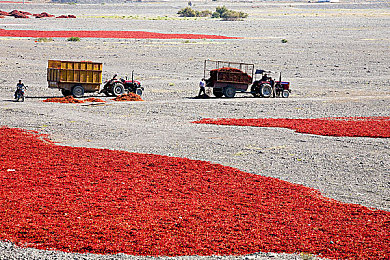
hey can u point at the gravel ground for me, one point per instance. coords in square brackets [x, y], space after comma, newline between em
[336, 58]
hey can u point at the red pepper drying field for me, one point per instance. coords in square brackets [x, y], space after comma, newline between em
[107, 34]
[378, 127]
[106, 201]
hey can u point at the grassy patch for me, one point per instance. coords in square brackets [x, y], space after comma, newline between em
[73, 39]
[44, 39]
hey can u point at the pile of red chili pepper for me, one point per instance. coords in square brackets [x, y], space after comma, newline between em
[66, 16]
[17, 14]
[128, 97]
[378, 127]
[23, 14]
[104, 201]
[229, 74]
[67, 99]
[71, 99]
[92, 99]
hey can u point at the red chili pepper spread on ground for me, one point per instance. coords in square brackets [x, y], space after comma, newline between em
[337, 126]
[107, 34]
[106, 202]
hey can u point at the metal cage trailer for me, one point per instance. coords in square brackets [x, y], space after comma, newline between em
[227, 78]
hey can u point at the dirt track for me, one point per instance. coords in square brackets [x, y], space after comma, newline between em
[336, 58]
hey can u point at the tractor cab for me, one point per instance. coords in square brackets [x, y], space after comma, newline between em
[263, 75]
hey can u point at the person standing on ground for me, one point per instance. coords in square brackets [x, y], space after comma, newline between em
[202, 88]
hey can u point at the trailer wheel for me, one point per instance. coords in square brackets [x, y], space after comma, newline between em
[66, 92]
[229, 92]
[285, 93]
[266, 90]
[218, 92]
[118, 89]
[78, 91]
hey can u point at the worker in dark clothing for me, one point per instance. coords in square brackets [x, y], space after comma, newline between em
[202, 88]
[19, 87]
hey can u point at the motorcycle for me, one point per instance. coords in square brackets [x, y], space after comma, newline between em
[19, 94]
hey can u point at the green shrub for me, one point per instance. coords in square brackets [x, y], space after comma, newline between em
[228, 15]
[284, 41]
[221, 10]
[188, 12]
[243, 15]
[216, 15]
[73, 39]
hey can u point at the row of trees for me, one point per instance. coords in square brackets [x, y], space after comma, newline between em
[220, 12]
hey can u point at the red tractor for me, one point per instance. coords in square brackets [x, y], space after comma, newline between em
[117, 87]
[228, 78]
[266, 86]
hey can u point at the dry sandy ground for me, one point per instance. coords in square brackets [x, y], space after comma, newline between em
[336, 58]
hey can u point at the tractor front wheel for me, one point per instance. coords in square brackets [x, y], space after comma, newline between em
[118, 89]
[285, 93]
[138, 91]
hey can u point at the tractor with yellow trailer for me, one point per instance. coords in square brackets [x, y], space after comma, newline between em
[79, 77]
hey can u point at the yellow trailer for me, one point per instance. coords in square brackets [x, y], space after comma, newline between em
[74, 77]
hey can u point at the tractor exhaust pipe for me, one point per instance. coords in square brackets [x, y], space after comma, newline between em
[132, 76]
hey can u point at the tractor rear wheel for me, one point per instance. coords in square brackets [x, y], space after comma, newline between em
[118, 89]
[285, 93]
[229, 92]
[266, 90]
[78, 91]
[218, 92]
